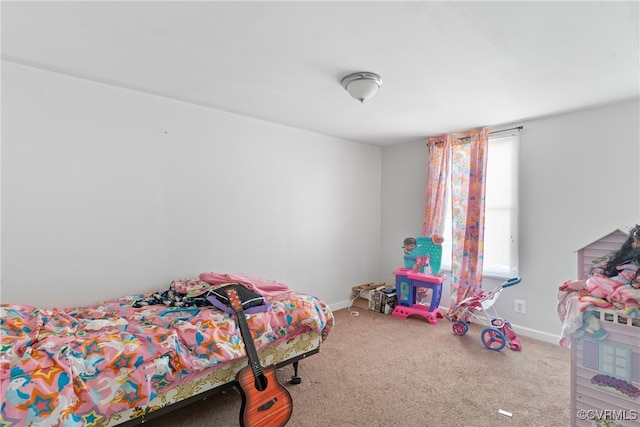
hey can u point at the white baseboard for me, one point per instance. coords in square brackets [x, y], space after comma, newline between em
[340, 305]
[520, 330]
[525, 331]
[536, 334]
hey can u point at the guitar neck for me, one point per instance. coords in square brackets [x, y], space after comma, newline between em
[249, 346]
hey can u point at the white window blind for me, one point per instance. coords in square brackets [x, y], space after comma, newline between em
[501, 209]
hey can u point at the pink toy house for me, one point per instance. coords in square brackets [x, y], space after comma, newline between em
[605, 374]
[601, 247]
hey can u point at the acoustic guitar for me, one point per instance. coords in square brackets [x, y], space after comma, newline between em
[265, 402]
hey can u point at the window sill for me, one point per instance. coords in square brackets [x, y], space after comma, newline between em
[499, 275]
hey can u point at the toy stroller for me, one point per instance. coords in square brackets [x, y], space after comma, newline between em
[498, 332]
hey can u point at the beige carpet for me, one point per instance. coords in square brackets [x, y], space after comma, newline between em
[379, 370]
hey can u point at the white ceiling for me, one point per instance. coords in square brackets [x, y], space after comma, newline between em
[447, 66]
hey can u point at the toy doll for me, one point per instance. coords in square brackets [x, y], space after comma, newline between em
[621, 268]
[418, 263]
[409, 245]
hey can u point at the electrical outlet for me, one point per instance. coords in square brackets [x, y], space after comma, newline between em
[519, 306]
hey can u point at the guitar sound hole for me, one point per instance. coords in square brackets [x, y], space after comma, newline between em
[261, 382]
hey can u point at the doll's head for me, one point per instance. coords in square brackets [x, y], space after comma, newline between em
[632, 244]
[628, 253]
[409, 245]
[634, 236]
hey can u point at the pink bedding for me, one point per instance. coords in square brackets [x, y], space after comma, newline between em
[575, 298]
[75, 366]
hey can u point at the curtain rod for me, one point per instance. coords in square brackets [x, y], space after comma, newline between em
[495, 131]
[506, 130]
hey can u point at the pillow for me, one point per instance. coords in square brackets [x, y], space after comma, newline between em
[252, 302]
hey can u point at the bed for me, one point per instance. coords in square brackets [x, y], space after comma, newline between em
[130, 359]
[603, 331]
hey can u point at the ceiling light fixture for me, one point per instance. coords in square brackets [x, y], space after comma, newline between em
[362, 85]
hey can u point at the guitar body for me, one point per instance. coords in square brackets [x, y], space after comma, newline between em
[270, 407]
[265, 402]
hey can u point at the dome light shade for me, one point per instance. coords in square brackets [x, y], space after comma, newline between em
[362, 85]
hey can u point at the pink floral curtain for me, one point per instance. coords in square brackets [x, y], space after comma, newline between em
[468, 179]
[437, 170]
[466, 155]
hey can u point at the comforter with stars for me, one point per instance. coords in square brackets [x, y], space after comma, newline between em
[77, 366]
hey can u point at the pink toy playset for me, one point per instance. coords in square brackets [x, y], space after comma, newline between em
[419, 283]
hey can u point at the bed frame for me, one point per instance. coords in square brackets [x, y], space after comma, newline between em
[217, 381]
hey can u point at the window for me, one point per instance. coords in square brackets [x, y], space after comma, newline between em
[501, 209]
[615, 360]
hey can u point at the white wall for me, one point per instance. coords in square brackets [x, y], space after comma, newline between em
[579, 178]
[108, 192]
[404, 186]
